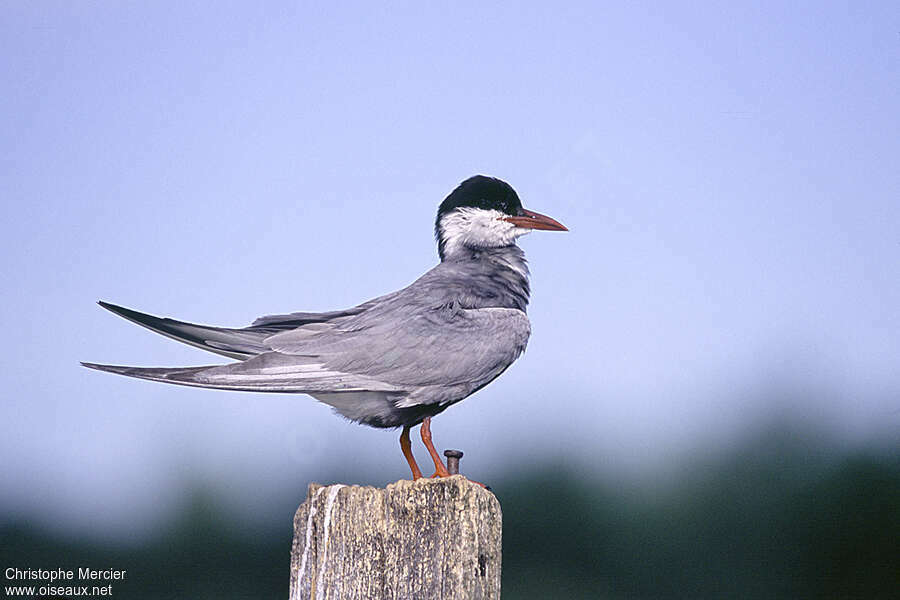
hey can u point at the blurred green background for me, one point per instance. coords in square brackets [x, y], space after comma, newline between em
[784, 514]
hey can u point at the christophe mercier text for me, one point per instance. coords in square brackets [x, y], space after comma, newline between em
[51, 575]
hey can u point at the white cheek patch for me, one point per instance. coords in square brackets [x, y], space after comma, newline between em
[477, 228]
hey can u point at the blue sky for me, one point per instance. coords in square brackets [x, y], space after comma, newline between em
[729, 173]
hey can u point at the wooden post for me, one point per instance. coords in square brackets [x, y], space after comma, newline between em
[428, 539]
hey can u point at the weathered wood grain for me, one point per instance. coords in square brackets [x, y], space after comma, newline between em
[428, 539]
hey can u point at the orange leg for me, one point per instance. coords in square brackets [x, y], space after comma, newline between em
[439, 469]
[406, 448]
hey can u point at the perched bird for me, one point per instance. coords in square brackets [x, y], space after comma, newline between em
[396, 360]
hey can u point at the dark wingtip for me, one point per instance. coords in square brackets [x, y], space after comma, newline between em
[111, 307]
[105, 368]
[131, 315]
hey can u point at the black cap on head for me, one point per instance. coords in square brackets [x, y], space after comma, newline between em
[480, 191]
[484, 192]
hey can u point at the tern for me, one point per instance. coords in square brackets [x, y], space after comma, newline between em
[399, 359]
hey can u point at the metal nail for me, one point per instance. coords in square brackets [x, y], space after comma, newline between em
[453, 457]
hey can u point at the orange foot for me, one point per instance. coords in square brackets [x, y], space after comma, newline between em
[406, 448]
[439, 469]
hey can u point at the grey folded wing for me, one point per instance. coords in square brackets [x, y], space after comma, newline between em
[434, 354]
[406, 353]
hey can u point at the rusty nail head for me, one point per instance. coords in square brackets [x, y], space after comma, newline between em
[453, 457]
